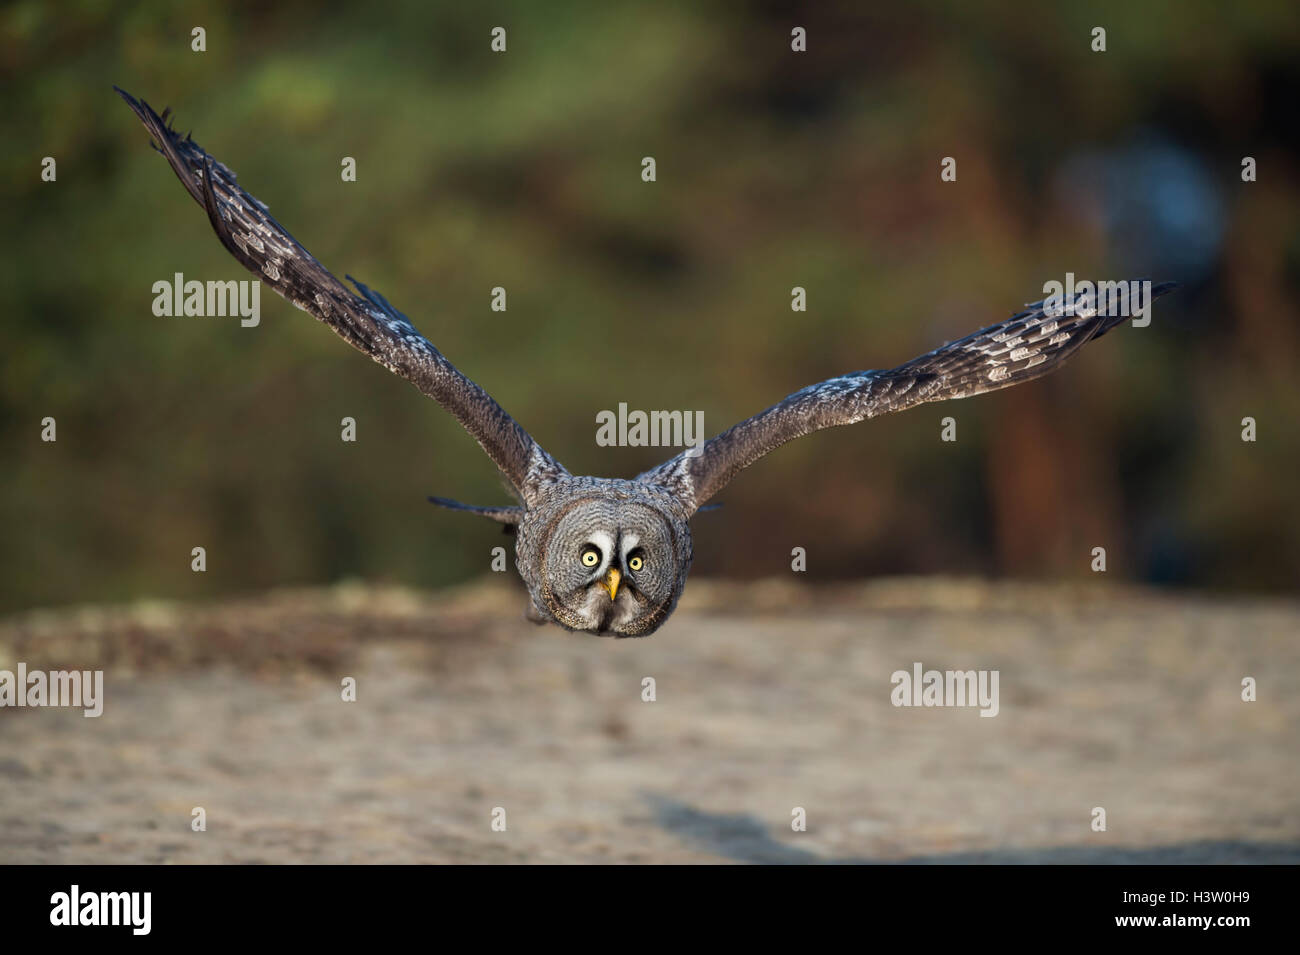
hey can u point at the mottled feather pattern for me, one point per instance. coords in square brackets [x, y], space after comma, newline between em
[604, 555]
[366, 321]
[1019, 349]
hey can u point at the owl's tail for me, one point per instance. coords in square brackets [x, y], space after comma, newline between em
[502, 515]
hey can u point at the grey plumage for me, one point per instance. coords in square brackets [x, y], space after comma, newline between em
[502, 515]
[599, 554]
[366, 321]
[1026, 346]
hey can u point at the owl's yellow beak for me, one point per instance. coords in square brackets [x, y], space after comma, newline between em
[611, 581]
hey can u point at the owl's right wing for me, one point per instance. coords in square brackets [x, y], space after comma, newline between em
[366, 321]
[1025, 346]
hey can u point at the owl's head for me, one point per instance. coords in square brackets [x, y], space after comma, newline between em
[607, 557]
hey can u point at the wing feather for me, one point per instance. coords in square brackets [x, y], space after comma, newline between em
[1024, 347]
[365, 321]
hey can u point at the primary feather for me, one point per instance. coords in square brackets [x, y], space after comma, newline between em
[366, 320]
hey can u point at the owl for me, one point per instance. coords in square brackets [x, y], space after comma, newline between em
[604, 555]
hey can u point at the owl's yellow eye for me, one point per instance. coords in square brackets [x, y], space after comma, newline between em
[590, 557]
[635, 563]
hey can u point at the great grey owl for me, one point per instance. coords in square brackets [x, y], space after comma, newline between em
[605, 555]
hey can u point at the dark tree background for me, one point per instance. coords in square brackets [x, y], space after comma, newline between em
[775, 169]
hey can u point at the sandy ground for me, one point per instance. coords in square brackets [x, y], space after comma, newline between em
[1127, 700]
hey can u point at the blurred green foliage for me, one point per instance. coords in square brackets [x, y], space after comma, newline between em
[522, 170]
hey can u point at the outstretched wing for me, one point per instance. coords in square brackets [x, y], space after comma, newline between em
[1022, 348]
[365, 321]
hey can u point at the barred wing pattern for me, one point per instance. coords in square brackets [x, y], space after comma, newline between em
[366, 321]
[1025, 346]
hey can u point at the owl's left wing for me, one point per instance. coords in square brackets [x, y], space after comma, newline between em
[365, 321]
[1025, 346]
